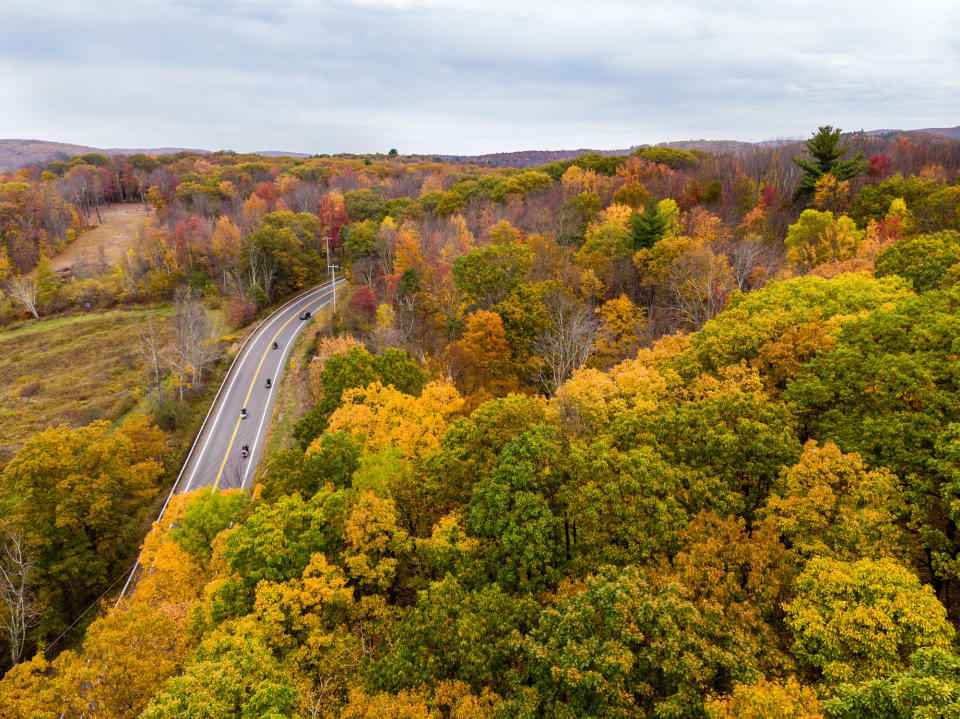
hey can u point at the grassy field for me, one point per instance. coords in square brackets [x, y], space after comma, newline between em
[69, 370]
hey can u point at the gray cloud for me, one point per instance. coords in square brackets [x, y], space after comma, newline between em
[440, 76]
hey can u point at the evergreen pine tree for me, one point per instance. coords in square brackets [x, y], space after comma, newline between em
[649, 226]
[826, 160]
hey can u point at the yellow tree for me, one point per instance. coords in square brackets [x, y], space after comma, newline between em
[327, 347]
[622, 329]
[831, 194]
[383, 417]
[818, 238]
[831, 504]
[486, 354]
[767, 700]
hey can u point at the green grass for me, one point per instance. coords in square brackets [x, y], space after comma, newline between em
[46, 325]
[69, 370]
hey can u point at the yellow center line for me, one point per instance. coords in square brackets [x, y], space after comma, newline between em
[253, 382]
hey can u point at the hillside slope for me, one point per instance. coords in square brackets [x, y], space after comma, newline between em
[16, 153]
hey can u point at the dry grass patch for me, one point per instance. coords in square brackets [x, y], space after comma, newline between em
[103, 246]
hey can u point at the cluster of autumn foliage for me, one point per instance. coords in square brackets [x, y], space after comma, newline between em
[599, 439]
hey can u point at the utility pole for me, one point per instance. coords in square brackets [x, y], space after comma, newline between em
[333, 271]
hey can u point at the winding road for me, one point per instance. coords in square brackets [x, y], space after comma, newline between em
[215, 459]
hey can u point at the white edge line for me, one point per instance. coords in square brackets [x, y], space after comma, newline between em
[203, 425]
[232, 376]
[256, 437]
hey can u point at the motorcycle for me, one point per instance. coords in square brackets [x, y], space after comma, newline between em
[244, 451]
[243, 413]
[275, 345]
[269, 383]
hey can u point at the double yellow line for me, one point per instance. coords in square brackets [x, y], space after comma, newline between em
[253, 382]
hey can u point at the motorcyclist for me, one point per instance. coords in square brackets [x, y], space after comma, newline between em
[244, 450]
[275, 345]
[243, 413]
[269, 383]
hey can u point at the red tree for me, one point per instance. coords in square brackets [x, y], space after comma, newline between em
[364, 303]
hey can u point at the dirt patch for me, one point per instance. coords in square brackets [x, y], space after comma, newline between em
[103, 246]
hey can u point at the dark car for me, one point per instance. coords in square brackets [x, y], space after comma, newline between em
[305, 315]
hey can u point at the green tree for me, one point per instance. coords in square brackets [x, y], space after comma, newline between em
[929, 689]
[621, 647]
[674, 157]
[75, 495]
[826, 152]
[648, 227]
[230, 677]
[486, 275]
[453, 633]
[516, 511]
[854, 621]
[310, 426]
[524, 318]
[926, 260]
[364, 204]
[872, 202]
[472, 444]
[779, 328]
[291, 471]
[207, 514]
[48, 287]
[358, 368]
[889, 390]
[576, 215]
[361, 238]
[281, 254]
[743, 439]
[275, 543]
[625, 506]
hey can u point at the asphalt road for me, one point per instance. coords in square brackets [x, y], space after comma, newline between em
[215, 460]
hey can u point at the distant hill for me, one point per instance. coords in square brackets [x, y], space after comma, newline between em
[528, 158]
[533, 158]
[280, 153]
[717, 147]
[17, 153]
[951, 132]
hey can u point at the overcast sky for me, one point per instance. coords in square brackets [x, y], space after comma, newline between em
[438, 76]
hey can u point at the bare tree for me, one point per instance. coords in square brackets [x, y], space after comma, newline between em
[150, 349]
[698, 284]
[753, 262]
[24, 290]
[262, 267]
[567, 342]
[192, 351]
[22, 608]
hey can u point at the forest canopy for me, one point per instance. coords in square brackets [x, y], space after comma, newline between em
[666, 434]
